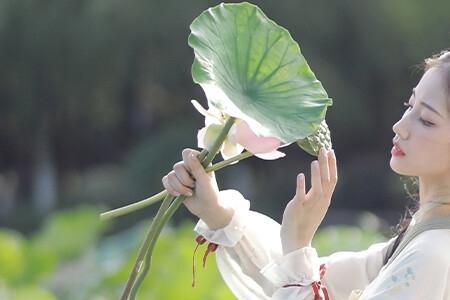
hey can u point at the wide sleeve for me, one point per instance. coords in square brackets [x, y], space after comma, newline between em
[420, 271]
[251, 262]
[248, 243]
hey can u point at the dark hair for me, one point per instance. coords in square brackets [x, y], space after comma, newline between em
[411, 186]
[411, 183]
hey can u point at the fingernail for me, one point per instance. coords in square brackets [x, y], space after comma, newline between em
[176, 194]
[189, 194]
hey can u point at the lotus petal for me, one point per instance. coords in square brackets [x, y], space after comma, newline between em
[271, 155]
[253, 143]
[207, 135]
[230, 149]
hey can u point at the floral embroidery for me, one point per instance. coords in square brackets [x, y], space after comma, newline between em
[400, 281]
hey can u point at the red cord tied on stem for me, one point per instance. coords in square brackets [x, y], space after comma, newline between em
[320, 291]
[212, 247]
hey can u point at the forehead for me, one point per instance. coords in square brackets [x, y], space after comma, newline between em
[432, 89]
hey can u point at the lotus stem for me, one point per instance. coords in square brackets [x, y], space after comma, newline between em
[160, 196]
[167, 209]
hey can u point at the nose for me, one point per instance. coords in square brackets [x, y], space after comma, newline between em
[401, 128]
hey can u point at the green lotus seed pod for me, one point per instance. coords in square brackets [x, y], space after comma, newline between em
[320, 138]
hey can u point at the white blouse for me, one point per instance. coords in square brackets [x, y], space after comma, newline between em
[250, 260]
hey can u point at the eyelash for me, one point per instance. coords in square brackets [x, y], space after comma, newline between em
[424, 122]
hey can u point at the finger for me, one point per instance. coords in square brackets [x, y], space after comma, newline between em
[177, 186]
[300, 192]
[186, 153]
[332, 166]
[323, 162]
[316, 185]
[183, 175]
[167, 186]
[196, 167]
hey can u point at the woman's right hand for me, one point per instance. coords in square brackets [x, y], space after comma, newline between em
[189, 178]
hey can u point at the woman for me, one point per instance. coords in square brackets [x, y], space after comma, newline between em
[259, 259]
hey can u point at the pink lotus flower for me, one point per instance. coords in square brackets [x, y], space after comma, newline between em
[239, 137]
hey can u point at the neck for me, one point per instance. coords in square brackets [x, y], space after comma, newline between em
[434, 189]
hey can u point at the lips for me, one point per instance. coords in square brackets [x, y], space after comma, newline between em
[397, 151]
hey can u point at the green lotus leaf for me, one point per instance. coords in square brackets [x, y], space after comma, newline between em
[251, 68]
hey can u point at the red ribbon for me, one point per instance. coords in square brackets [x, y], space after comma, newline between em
[320, 291]
[212, 247]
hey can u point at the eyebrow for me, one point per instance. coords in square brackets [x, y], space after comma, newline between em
[425, 104]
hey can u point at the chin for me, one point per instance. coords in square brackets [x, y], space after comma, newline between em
[399, 169]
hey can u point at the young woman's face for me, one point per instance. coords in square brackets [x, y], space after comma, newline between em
[423, 132]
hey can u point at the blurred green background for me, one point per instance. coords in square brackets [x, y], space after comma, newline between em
[95, 109]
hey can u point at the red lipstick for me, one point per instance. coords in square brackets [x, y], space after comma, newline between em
[397, 151]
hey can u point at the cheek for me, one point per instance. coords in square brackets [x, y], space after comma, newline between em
[427, 154]
[432, 154]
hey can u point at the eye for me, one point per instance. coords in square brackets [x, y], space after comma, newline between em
[423, 121]
[426, 123]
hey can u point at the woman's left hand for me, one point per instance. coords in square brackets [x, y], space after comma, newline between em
[305, 212]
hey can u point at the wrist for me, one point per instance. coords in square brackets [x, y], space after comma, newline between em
[291, 248]
[292, 244]
[217, 217]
